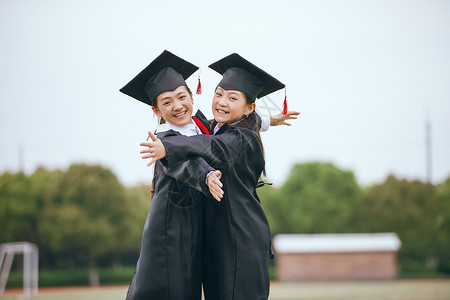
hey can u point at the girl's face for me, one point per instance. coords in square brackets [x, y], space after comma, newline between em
[229, 106]
[175, 106]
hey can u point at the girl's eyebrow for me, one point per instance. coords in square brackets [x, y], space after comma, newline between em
[165, 98]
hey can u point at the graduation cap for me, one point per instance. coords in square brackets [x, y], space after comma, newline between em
[165, 73]
[241, 75]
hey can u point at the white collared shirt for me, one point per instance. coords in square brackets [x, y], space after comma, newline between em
[187, 130]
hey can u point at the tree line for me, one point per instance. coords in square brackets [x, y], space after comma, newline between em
[321, 198]
[81, 217]
[84, 217]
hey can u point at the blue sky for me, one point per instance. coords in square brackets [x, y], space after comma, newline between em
[364, 74]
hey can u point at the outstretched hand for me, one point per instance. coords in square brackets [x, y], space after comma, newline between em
[281, 119]
[155, 149]
[214, 184]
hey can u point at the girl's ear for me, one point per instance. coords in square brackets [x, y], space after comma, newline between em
[250, 108]
[157, 112]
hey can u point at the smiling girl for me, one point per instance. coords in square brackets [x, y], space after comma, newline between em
[170, 261]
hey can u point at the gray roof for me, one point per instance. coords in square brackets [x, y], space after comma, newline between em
[314, 243]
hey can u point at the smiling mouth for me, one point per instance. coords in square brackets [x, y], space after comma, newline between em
[180, 114]
[221, 111]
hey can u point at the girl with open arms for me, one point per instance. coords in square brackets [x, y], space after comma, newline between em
[236, 236]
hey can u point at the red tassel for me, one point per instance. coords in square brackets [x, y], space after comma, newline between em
[285, 102]
[199, 86]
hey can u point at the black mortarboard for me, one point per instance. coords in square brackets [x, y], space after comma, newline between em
[241, 75]
[165, 73]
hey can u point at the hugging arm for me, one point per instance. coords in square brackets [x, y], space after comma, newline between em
[194, 172]
[219, 151]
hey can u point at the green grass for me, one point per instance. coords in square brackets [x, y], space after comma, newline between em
[123, 275]
[419, 270]
[428, 289]
[75, 277]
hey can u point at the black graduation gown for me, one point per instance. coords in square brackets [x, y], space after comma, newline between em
[170, 261]
[236, 235]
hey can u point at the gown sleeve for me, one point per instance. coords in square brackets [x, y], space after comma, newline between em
[220, 151]
[192, 172]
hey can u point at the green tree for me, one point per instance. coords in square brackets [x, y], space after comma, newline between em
[21, 203]
[18, 208]
[137, 203]
[83, 214]
[316, 198]
[408, 208]
[443, 226]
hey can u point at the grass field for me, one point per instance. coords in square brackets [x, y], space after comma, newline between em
[433, 289]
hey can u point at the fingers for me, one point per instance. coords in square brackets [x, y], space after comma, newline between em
[292, 112]
[290, 115]
[150, 147]
[216, 192]
[148, 150]
[146, 144]
[153, 157]
[150, 134]
[218, 175]
[151, 151]
[217, 195]
[214, 184]
[216, 181]
[151, 162]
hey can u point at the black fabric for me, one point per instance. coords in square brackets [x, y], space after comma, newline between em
[170, 261]
[241, 80]
[165, 73]
[168, 79]
[236, 239]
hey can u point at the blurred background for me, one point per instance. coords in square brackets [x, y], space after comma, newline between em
[369, 152]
